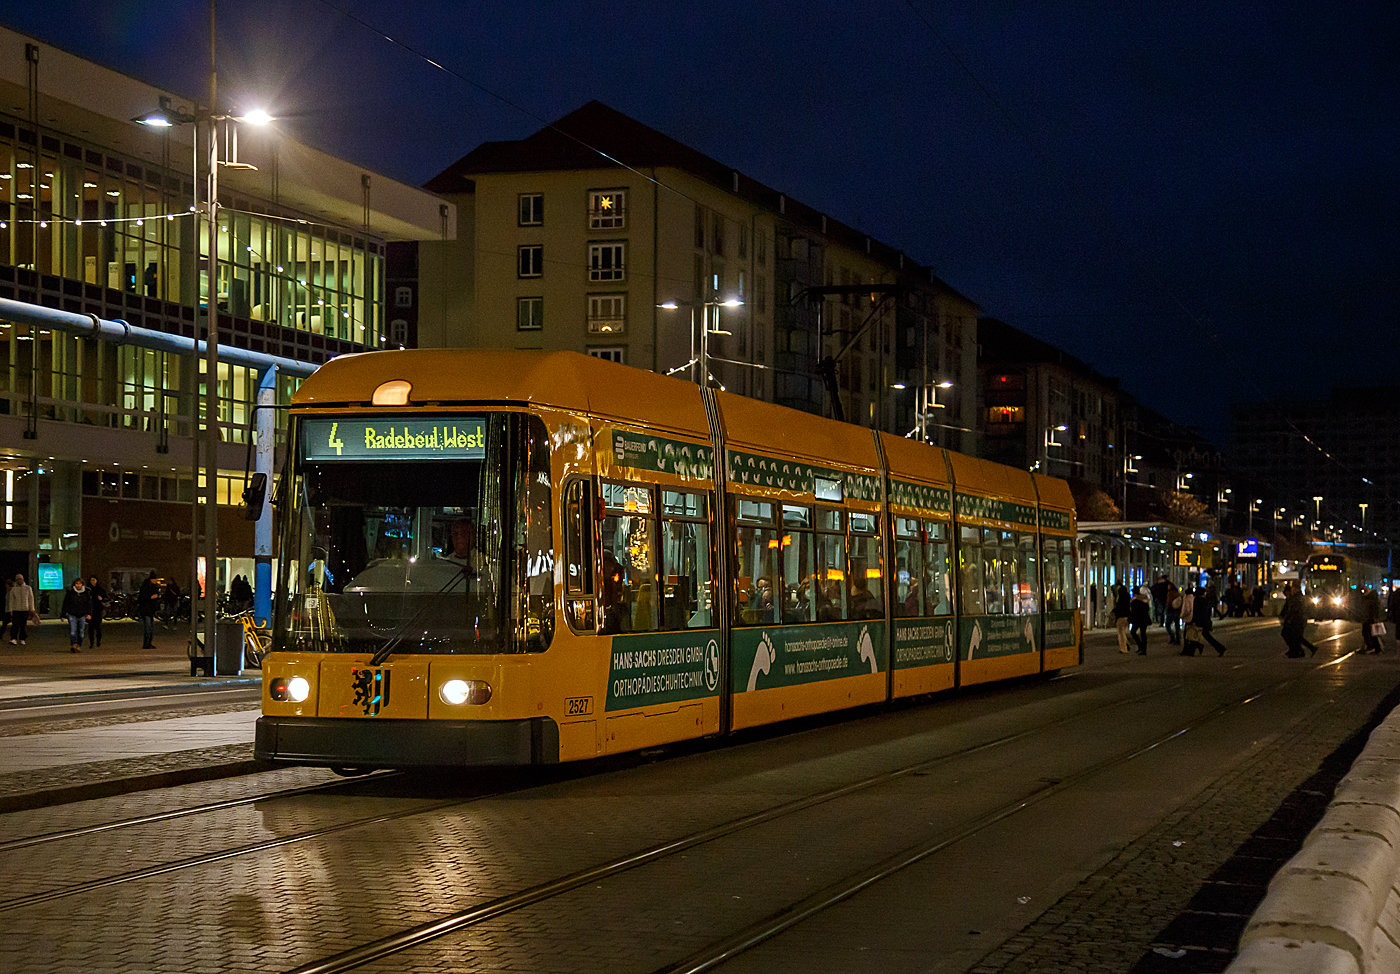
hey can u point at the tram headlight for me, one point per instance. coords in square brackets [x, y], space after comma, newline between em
[1336, 600]
[458, 692]
[293, 688]
[1317, 600]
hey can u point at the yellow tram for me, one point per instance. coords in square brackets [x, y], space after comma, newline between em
[497, 557]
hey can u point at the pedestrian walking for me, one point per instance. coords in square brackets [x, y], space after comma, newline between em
[1173, 623]
[1191, 635]
[99, 612]
[1293, 622]
[20, 604]
[1120, 616]
[1139, 618]
[1371, 620]
[1203, 615]
[77, 606]
[147, 605]
[1159, 599]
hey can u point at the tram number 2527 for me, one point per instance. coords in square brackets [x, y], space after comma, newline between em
[579, 706]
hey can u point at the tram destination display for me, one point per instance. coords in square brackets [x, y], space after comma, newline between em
[387, 438]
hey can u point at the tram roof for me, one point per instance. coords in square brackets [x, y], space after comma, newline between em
[562, 380]
[779, 430]
[994, 479]
[1053, 492]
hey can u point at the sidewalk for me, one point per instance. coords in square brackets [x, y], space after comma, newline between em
[46, 668]
[60, 743]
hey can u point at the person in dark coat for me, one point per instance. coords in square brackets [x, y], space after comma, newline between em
[147, 605]
[1203, 615]
[1159, 599]
[1370, 616]
[77, 606]
[99, 610]
[1139, 618]
[1293, 619]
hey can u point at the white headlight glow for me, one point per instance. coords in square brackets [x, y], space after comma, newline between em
[457, 692]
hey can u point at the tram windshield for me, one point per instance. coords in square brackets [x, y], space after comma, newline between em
[426, 535]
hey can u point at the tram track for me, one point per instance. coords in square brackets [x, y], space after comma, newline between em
[178, 813]
[517, 900]
[776, 922]
[410, 937]
[790, 914]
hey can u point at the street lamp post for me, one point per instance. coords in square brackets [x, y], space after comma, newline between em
[1363, 507]
[165, 118]
[1317, 510]
[703, 357]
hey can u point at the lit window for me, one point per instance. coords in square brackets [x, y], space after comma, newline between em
[606, 313]
[607, 209]
[611, 354]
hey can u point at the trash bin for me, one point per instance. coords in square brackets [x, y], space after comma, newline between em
[227, 658]
[228, 648]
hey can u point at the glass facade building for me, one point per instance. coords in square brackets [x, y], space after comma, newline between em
[98, 217]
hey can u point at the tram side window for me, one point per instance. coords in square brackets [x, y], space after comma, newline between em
[993, 602]
[534, 528]
[1067, 572]
[578, 554]
[866, 571]
[970, 571]
[1008, 573]
[578, 538]
[831, 565]
[798, 565]
[911, 578]
[685, 558]
[1050, 563]
[938, 566]
[756, 563]
[630, 602]
[1027, 576]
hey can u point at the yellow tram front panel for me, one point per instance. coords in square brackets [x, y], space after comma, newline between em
[921, 505]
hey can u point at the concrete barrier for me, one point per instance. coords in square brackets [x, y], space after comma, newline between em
[1334, 908]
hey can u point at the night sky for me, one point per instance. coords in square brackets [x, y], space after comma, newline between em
[1200, 199]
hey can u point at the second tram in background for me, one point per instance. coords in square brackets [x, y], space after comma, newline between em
[1331, 584]
[521, 557]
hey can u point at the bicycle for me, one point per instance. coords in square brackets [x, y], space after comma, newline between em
[257, 640]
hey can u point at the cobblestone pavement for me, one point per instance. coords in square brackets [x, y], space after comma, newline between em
[1115, 920]
[73, 782]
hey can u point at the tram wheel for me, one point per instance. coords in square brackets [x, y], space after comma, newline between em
[351, 772]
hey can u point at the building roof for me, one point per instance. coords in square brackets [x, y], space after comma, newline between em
[597, 136]
[1002, 344]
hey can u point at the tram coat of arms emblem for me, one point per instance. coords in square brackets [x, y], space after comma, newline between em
[371, 690]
